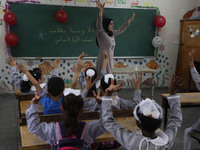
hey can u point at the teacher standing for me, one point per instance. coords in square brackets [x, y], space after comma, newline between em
[106, 38]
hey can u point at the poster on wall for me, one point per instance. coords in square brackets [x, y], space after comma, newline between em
[92, 3]
[110, 3]
[81, 3]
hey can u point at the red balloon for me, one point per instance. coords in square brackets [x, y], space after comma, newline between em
[159, 21]
[10, 18]
[11, 39]
[61, 16]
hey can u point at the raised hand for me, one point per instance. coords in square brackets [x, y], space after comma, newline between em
[56, 63]
[113, 88]
[80, 64]
[190, 58]
[37, 98]
[99, 5]
[89, 83]
[131, 19]
[11, 61]
[175, 83]
[137, 82]
[22, 68]
[97, 97]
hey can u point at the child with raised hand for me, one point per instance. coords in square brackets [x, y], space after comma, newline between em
[24, 85]
[72, 107]
[148, 115]
[55, 86]
[195, 126]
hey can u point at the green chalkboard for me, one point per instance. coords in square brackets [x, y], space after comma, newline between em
[40, 35]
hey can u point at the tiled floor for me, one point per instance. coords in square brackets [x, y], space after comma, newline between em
[9, 129]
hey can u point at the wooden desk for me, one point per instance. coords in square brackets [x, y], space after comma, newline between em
[137, 70]
[186, 100]
[29, 141]
[24, 105]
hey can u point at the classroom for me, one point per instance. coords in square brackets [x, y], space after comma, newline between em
[42, 37]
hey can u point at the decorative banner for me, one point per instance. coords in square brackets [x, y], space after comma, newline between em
[93, 3]
[81, 3]
[69, 2]
[109, 3]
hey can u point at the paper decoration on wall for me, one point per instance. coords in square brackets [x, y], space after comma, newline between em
[46, 67]
[61, 16]
[196, 14]
[67, 1]
[162, 48]
[121, 1]
[109, 3]
[73, 69]
[148, 4]
[134, 2]
[120, 65]
[81, 2]
[152, 65]
[157, 41]
[88, 64]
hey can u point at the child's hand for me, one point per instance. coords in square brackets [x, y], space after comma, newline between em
[89, 83]
[105, 55]
[175, 83]
[82, 56]
[137, 81]
[22, 68]
[11, 61]
[97, 97]
[99, 5]
[131, 19]
[37, 98]
[56, 63]
[113, 88]
[191, 54]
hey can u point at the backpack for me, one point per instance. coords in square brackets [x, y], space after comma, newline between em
[70, 143]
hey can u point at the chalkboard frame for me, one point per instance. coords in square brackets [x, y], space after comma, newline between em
[43, 57]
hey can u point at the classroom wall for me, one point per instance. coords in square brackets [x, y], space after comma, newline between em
[164, 63]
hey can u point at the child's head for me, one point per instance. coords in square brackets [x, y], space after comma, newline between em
[56, 86]
[91, 72]
[72, 106]
[148, 115]
[25, 85]
[106, 81]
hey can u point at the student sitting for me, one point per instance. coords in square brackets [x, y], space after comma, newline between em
[24, 85]
[72, 107]
[148, 115]
[195, 126]
[55, 86]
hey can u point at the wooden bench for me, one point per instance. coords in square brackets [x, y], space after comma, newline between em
[24, 105]
[186, 100]
[195, 135]
[29, 141]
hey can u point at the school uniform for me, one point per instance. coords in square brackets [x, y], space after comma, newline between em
[195, 126]
[106, 43]
[90, 104]
[17, 82]
[135, 140]
[49, 131]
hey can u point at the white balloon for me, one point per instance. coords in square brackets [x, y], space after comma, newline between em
[157, 41]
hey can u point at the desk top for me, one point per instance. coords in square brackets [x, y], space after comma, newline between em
[128, 70]
[31, 141]
[186, 99]
[24, 105]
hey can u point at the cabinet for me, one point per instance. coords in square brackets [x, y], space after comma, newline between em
[189, 39]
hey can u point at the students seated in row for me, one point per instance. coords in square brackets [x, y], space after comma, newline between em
[195, 126]
[90, 103]
[148, 115]
[24, 85]
[71, 127]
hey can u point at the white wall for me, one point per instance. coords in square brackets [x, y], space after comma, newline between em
[172, 10]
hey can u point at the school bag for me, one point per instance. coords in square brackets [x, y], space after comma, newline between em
[71, 143]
